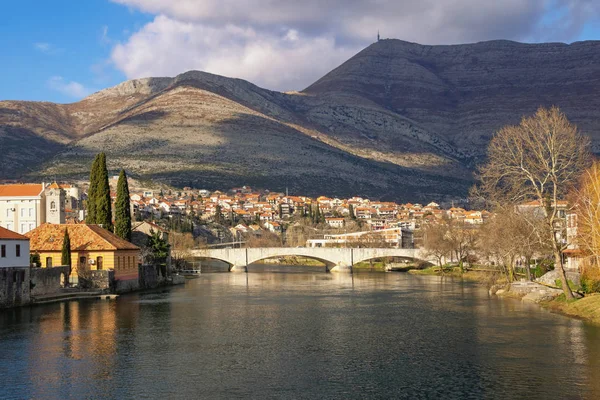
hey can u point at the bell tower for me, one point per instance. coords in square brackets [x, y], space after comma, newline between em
[55, 204]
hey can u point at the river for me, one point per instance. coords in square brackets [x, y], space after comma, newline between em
[296, 332]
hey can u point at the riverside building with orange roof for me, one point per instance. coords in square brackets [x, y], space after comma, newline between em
[92, 248]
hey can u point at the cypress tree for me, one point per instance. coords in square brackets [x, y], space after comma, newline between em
[91, 199]
[66, 252]
[103, 203]
[123, 208]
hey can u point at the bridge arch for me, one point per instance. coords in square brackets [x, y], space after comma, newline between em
[328, 264]
[333, 258]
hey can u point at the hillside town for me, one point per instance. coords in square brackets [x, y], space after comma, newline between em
[243, 211]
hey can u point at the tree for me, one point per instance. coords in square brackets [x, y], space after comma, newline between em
[351, 211]
[510, 236]
[123, 209]
[181, 244]
[588, 213]
[65, 258]
[34, 260]
[103, 202]
[93, 189]
[159, 247]
[540, 159]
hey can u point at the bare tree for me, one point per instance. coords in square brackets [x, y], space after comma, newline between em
[181, 246]
[587, 205]
[435, 241]
[510, 236]
[540, 159]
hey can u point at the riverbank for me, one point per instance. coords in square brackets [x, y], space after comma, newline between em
[586, 308]
[484, 277]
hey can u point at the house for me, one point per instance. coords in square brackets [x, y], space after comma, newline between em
[92, 248]
[141, 231]
[15, 283]
[14, 249]
[335, 222]
[24, 207]
[273, 226]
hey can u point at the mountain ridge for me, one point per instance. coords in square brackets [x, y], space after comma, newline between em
[399, 120]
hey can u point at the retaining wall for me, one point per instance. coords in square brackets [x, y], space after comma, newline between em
[14, 286]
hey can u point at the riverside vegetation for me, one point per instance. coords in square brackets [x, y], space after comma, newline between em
[544, 189]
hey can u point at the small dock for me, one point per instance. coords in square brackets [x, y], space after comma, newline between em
[69, 296]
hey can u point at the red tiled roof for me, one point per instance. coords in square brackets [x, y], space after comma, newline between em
[21, 190]
[6, 234]
[49, 237]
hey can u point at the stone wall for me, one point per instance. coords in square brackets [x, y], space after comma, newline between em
[14, 286]
[126, 285]
[152, 276]
[96, 279]
[45, 281]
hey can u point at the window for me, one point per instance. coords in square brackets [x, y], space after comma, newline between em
[22, 212]
[9, 226]
[23, 228]
[3, 251]
[31, 226]
[99, 262]
[18, 250]
[8, 212]
[31, 212]
[48, 262]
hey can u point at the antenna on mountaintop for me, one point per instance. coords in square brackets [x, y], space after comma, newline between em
[378, 35]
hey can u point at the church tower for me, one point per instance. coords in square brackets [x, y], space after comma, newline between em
[55, 204]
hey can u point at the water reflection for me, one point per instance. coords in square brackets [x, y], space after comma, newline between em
[299, 333]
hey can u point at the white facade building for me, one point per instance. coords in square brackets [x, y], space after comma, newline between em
[14, 249]
[24, 207]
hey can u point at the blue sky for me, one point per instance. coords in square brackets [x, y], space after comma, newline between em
[62, 50]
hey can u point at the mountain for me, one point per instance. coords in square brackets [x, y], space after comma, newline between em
[397, 121]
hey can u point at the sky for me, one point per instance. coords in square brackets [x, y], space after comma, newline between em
[64, 50]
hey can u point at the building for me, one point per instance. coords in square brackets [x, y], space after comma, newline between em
[92, 248]
[391, 237]
[14, 249]
[24, 207]
[335, 222]
[142, 230]
[15, 286]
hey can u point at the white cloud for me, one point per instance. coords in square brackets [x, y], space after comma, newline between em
[68, 88]
[284, 61]
[286, 44]
[104, 38]
[47, 48]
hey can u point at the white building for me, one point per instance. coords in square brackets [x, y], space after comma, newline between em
[24, 207]
[14, 249]
[391, 236]
[335, 222]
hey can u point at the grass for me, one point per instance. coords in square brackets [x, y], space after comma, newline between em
[587, 308]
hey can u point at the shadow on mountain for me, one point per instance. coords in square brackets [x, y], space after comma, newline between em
[267, 154]
[23, 151]
[144, 118]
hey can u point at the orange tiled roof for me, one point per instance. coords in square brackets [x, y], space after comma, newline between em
[21, 190]
[49, 237]
[6, 234]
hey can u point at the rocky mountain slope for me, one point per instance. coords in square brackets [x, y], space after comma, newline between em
[398, 121]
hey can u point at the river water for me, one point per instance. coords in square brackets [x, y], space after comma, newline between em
[297, 332]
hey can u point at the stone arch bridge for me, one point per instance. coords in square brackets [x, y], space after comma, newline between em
[335, 259]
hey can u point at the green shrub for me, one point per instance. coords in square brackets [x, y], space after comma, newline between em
[590, 281]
